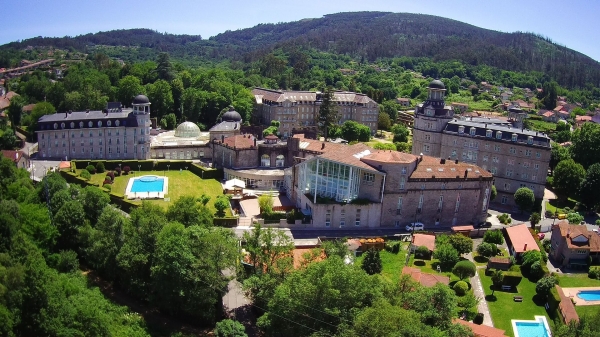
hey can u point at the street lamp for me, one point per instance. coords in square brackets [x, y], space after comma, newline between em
[140, 169]
[168, 165]
[32, 171]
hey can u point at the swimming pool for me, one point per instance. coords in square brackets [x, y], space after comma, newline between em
[589, 295]
[147, 184]
[536, 328]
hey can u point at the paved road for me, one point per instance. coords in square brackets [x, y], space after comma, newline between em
[39, 168]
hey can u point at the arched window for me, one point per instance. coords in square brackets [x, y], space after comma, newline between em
[265, 160]
[280, 161]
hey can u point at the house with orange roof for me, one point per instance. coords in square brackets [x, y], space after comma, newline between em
[425, 279]
[18, 157]
[422, 239]
[573, 245]
[519, 240]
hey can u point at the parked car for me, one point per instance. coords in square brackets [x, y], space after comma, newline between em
[418, 226]
[486, 224]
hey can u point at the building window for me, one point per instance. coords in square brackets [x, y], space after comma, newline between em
[402, 182]
[509, 173]
[498, 134]
[427, 137]
[440, 203]
[538, 155]
[512, 150]
[457, 204]
[265, 160]
[488, 133]
[461, 129]
[495, 159]
[536, 166]
[399, 206]
[368, 177]
[504, 200]
[581, 251]
[514, 137]
[526, 164]
[99, 124]
[510, 162]
[485, 200]
[404, 170]
[357, 219]
[420, 207]
[425, 148]
[496, 148]
[506, 186]
[494, 170]
[530, 140]
[453, 154]
[328, 218]
[534, 177]
[528, 153]
[472, 131]
[279, 162]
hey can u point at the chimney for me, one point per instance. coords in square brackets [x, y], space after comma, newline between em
[323, 146]
[456, 161]
[66, 114]
[87, 111]
[254, 142]
[525, 248]
[222, 138]
[466, 172]
[442, 161]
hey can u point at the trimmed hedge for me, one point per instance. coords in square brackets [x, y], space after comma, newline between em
[206, 173]
[124, 204]
[553, 299]
[228, 222]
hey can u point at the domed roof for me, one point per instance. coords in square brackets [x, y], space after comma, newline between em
[187, 130]
[437, 84]
[141, 99]
[231, 116]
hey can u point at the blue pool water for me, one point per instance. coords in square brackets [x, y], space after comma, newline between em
[148, 184]
[589, 295]
[531, 329]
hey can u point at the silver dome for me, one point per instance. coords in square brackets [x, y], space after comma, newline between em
[187, 130]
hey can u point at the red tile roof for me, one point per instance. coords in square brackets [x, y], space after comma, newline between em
[481, 330]
[239, 142]
[548, 114]
[431, 167]
[389, 156]
[521, 238]
[13, 155]
[427, 280]
[566, 307]
[462, 228]
[427, 240]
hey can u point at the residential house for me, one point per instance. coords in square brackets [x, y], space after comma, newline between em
[579, 120]
[426, 280]
[405, 102]
[421, 239]
[20, 159]
[549, 116]
[573, 245]
[519, 240]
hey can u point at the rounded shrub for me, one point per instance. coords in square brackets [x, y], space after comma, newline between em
[91, 169]
[460, 288]
[100, 167]
[108, 187]
[478, 318]
[85, 174]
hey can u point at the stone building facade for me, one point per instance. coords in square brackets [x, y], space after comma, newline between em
[113, 133]
[517, 157]
[296, 109]
[339, 185]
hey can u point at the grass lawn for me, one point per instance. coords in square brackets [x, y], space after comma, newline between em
[97, 178]
[503, 308]
[183, 183]
[587, 310]
[577, 280]
[542, 126]
[392, 263]
[556, 204]
[482, 260]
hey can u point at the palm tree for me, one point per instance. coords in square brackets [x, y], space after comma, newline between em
[497, 279]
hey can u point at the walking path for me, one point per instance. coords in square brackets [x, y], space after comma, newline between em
[480, 294]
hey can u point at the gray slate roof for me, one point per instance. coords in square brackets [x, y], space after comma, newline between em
[82, 115]
[226, 126]
[539, 139]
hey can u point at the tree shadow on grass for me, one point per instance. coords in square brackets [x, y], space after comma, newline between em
[419, 263]
[491, 298]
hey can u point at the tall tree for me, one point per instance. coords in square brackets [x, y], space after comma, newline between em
[129, 87]
[161, 96]
[588, 191]
[39, 110]
[164, 69]
[557, 154]
[586, 144]
[568, 176]
[15, 110]
[328, 112]
[524, 198]
[371, 264]
[188, 211]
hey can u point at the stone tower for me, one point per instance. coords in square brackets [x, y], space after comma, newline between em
[431, 118]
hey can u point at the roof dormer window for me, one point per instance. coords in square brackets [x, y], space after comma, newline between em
[530, 140]
[488, 133]
[472, 131]
[514, 137]
[461, 129]
[498, 134]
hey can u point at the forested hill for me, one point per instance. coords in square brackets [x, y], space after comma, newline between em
[145, 38]
[372, 35]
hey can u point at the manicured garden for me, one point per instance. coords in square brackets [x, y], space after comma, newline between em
[577, 280]
[503, 307]
[392, 263]
[554, 205]
[181, 183]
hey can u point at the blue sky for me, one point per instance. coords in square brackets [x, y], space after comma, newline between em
[571, 23]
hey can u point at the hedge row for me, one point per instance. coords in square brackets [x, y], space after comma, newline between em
[228, 222]
[553, 299]
[206, 173]
[123, 203]
[149, 165]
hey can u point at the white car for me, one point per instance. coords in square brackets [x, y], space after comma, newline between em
[418, 226]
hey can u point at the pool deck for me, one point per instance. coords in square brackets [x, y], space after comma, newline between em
[572, 294]
[146, 195]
